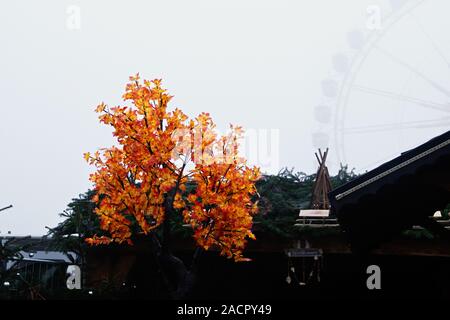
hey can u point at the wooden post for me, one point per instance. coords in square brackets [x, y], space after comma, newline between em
[322, 185]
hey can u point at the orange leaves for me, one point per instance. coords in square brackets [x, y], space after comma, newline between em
[192, 198]
[225, 191]
[149, 172]
[136, 77]
[100, 108]
[98, 240]
[179, 203]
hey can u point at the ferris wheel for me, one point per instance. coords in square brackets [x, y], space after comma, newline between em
[389, 89]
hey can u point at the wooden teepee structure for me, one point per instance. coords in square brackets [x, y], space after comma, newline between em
[322, 185]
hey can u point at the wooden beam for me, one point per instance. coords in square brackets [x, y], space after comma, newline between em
[5, 208]
[318, 160]
[321, 155]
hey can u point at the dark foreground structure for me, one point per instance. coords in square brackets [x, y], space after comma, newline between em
[385, 218]
[396, 196]
[343, 275]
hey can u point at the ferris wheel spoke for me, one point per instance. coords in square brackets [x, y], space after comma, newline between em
[421, 75]
[445, 122]
[397, 96]
[436, 48]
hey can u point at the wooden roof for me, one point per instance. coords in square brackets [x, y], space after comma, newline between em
[397, 195]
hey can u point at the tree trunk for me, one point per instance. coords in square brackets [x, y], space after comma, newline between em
[180, 279]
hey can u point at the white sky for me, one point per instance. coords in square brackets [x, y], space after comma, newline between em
[259, 64]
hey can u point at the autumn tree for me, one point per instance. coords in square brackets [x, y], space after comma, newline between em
[142, 183]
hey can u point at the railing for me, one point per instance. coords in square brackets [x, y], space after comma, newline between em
[317, 222]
